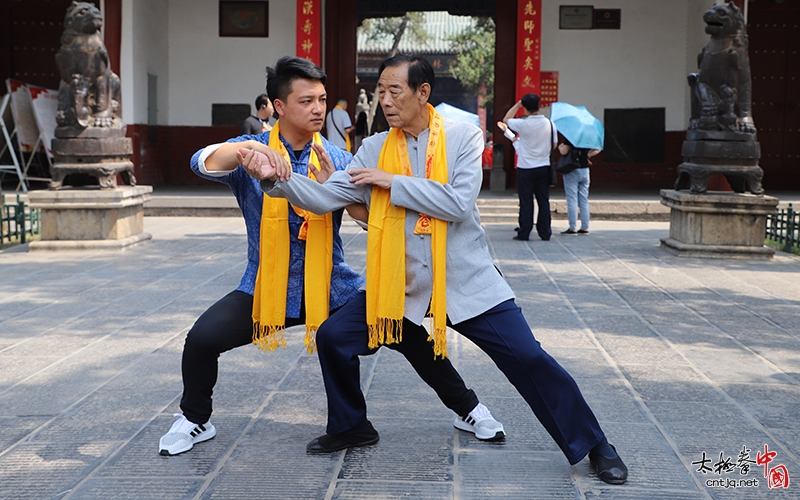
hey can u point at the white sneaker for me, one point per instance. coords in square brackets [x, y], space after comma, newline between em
[480, 422]
[183, 435]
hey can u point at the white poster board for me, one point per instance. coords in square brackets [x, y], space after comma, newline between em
[7, 128]
[44, 103]
[27, 130]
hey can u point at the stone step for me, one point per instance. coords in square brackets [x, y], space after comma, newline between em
[493, 208]
[503, 211]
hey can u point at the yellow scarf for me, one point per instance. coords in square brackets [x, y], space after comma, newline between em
[346, 135]
[386, 265]
[272, 279]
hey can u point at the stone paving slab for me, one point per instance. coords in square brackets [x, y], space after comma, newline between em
[679, 358]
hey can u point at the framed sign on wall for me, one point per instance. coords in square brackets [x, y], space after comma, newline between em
[243, 18]
[575, 17]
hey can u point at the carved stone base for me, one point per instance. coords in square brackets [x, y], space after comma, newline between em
[695, 176]
[736, 159]
[101, 153]
[717, 224]
[89, 217]
[105, 172]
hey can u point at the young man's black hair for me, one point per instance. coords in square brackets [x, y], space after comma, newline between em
[287, 70]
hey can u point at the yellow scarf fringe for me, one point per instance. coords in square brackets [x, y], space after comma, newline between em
[386, 279]
[272, 279]
[386, 331]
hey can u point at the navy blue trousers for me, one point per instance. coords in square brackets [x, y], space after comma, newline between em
[501, 332]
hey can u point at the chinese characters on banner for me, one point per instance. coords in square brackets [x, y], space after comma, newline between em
[548, 91]
[529, 35]
[309, 32]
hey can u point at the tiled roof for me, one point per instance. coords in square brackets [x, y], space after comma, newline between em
[439, 26]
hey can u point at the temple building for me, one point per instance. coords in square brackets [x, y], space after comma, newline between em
[189, 69]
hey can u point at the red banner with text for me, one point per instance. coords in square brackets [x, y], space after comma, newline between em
[548, 91]
[529, 36]
[309, 31]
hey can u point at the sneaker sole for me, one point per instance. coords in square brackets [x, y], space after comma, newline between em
[463, 426]
[204, 436]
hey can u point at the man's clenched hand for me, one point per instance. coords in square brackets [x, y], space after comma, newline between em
[264, 165]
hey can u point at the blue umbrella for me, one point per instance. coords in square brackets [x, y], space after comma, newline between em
[579, 126]
[457, 114]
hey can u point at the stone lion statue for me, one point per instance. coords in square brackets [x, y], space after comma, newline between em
[89, 92]
[721, 91]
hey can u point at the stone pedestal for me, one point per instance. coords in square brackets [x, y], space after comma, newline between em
[90, 217]
[717, 224]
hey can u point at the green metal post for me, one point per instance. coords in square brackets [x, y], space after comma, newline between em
[21, 219]
[2, 216]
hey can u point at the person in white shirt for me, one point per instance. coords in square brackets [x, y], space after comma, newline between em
[537, 138]
[339, 126]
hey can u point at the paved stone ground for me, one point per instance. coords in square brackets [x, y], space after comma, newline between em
[679, 358]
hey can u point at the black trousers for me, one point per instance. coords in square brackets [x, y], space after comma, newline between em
[534, 182]
[228, 324]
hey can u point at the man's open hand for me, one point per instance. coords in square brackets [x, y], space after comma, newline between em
[326, 167]
[372, 176]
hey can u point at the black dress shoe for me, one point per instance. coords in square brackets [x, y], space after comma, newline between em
[610, 470]
[519, 238]
[350, 439]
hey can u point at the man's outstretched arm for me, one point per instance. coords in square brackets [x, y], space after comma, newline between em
[224, 157]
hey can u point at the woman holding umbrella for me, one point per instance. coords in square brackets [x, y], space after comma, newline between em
[576, 187]
[583, 138]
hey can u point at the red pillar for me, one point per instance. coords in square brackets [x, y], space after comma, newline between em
[113, 31]
[341, 21]
[505, 79]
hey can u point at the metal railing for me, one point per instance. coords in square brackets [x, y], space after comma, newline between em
[783, 229]
[18, 221]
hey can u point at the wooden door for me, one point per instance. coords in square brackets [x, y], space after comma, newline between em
[33, 31]
[774, 33]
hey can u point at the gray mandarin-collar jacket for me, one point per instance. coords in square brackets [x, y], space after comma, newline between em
[473, 283]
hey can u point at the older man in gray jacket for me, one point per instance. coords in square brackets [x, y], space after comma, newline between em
[479, 303]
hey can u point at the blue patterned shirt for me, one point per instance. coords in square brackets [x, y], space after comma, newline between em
[345, 282]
